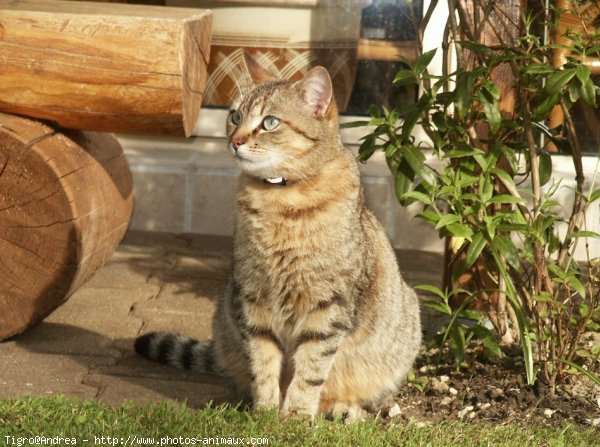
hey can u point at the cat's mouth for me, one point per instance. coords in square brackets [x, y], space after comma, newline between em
[258, 165]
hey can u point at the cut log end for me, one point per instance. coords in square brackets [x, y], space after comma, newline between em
[65, 202]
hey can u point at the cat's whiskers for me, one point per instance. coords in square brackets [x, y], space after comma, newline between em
[303, 176]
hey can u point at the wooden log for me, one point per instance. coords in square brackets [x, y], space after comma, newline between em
[104, 67]
[65, 202]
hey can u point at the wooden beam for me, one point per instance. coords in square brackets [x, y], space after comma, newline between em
[65, 201]
[106, 67]
[395, 51]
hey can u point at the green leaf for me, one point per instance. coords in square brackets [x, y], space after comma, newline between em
[522, 321]
[446, 220]
[590, 375]
[374, 111]
[588, 92]
[463, 151]
[412, 115]
[439, 119]
[416, 159]
[475, 248]
[404, 77]
[547, 104]
[505, 198]
[429, 216]
[506, 247]
[433, 289]
[594, 196]
[474, 46]
[366, 149]
[353, 124]
[543, 297]
[505, 176]
[487, 189]
[584, 310]
[423, 61]
[459, 230]
[590, 234]
[465, 81]
[390, 150]
[489, 340]
[558, 80]
[545, 162]
[438, 306]
[577, 285]
[491, 109]
[421, 197]
[403, 180]
[537, 69]
[583, 73]
[457, 343]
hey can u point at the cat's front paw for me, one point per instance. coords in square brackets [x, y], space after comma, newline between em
[348, 413]
[266, 398]
[266, 404]
[297, 411]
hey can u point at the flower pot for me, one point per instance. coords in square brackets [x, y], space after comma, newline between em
[288, 37]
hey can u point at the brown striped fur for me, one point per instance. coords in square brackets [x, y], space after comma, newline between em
[315, 317]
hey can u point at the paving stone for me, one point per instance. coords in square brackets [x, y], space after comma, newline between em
[180, 311]
[90, 322]
[39, 374]
[119, 389]
[120, 273]
[211, 244]
[154, 239]
[59, 338]
[154, 282]
[134, 365]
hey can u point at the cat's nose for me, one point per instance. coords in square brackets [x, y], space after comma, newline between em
[237, 142]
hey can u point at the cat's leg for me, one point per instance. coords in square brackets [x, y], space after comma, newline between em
[312, 360]
[266, 358]
[265, 354]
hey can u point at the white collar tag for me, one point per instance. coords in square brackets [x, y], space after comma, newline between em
[276, 181]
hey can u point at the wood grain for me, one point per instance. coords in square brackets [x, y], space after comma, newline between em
[65, 202]
[104, 67]
[395, 51]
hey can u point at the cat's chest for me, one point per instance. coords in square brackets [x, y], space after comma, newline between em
[288, 264]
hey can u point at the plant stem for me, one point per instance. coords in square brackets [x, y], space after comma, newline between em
[578, 203]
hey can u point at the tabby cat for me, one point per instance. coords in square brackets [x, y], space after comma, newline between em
[315, 316]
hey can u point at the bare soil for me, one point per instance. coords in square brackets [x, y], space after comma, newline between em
[494, 391]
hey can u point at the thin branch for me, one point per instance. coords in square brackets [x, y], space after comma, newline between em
[428, 14]
[465, 23]
[579, 201]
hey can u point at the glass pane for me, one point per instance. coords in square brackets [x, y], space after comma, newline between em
[387, 34]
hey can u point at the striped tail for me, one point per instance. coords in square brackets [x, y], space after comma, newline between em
[178, 351]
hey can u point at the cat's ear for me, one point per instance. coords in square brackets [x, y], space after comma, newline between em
[316, 91]
[256, 73]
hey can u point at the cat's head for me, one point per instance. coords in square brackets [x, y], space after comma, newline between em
[281, 128]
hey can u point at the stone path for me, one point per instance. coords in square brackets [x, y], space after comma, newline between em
[154, 282]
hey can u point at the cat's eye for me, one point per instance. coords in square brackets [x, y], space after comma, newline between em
[270, 123]
[235, 117]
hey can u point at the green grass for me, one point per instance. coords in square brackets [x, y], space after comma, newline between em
[83, 420]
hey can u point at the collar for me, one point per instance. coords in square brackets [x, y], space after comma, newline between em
[277, 181]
